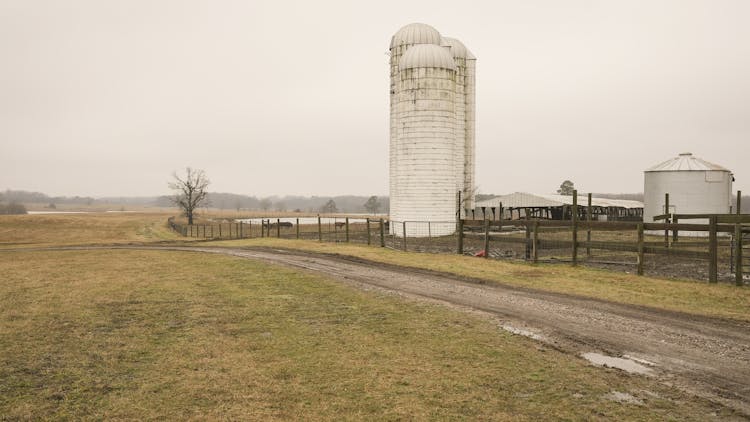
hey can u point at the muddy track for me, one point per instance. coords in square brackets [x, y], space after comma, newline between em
[706, 356]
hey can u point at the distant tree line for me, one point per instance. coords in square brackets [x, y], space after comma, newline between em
[12, 206]
[22, 196]
[226, 201]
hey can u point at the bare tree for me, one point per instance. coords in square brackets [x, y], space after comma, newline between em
[190, 191]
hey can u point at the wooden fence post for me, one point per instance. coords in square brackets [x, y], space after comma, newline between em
[535, 244]
[527, 251]
[712, 251]
[640, 249]
[219, 230]
[739, 202]
[575, 227]
[403, 226]
[460, 240]
[675, 234]
[667, 220]
[278, 228]
[320, 230]
[738, 270]
[486, 238]
[382, 234]
[346, 223]
[588, 230]
[367, 223]
[249, 229]
[297, 227]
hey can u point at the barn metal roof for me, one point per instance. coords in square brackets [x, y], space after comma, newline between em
[416, 33]
[427, 55]
[529, 200]
[687, 162]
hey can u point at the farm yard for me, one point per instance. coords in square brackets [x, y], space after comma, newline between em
[611, 245]
[249, 328]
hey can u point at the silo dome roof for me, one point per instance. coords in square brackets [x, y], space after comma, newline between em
[687, 162]
[416, 33]
[458, 49]
[427, 55]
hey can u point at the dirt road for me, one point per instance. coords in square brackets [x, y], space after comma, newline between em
[708, 357]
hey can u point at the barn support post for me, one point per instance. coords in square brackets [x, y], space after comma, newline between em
[320, 230]
[346, 222]
[297, 228]
[367, 222]
[486, 237]
[575, 227]
[640, 249]
[713, 255]
[738, 254]
[382, 234]
[589, 210]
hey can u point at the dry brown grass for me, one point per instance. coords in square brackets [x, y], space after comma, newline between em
[91, 228]
[177, 335]
[718, 300]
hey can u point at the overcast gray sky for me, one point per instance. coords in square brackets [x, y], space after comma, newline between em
[103, 97]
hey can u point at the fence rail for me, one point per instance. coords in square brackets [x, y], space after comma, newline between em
[620, 243]
[606, 244]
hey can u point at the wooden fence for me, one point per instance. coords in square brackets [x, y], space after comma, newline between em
[567, 237]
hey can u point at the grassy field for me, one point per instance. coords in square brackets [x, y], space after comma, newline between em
[718, 300]
[178, 335]
[91, 228]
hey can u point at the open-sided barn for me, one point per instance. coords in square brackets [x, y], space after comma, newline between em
[519, 205]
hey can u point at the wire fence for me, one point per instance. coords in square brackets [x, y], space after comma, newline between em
[626, 246]
[661, 249]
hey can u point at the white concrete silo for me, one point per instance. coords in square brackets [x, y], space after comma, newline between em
[432, 137]
[695, 186]
[465, 100]
[425, 179]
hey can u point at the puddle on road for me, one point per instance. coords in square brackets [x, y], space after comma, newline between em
[525, 333]
[626, 365]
